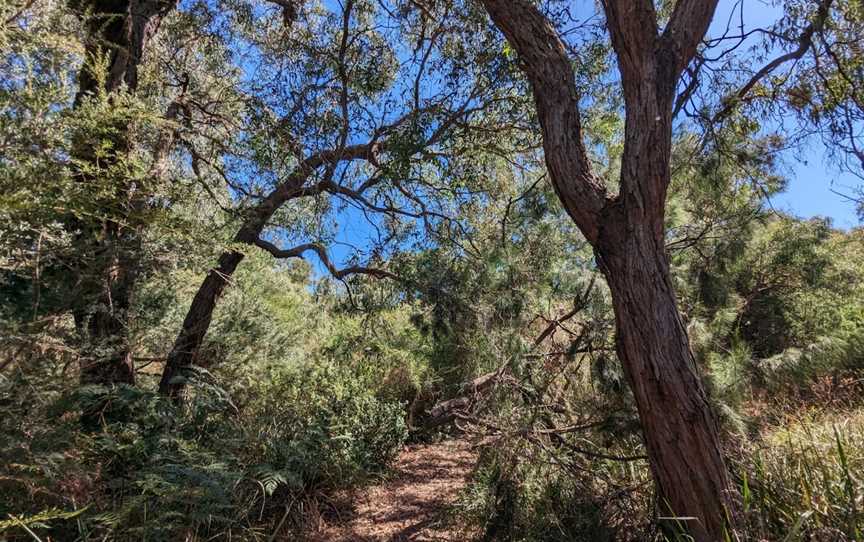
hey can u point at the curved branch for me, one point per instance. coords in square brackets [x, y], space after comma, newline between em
[805, 42]
[299, 250]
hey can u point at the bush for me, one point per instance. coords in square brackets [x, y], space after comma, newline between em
[523, 493]
[153, 471]
[323, 428]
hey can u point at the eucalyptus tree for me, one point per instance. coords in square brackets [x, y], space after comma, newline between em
[627, 229]
[365, 112]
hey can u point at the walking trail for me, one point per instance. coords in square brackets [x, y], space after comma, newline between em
[409, 505]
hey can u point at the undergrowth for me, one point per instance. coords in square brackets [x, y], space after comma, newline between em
[209, 470]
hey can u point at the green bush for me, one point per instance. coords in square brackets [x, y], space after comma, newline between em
[322, 427]
[523, 493]
[158, 472]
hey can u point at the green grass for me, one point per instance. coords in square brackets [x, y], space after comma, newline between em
[802, 481]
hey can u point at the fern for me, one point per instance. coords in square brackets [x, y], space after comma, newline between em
[39, 520]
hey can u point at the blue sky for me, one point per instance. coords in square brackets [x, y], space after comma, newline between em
[809, 193]
[810, 171]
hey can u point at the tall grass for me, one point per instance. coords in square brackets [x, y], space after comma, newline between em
[803, 482]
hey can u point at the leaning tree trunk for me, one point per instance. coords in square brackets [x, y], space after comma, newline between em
[679, 429]
[195, 325]
[184, 352]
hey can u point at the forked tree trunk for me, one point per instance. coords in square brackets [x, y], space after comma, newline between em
[628, 235]
[678, 426]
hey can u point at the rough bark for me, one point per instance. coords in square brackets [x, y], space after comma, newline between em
[627, 233]
[545, 61]
[120, 29]
[678, 427]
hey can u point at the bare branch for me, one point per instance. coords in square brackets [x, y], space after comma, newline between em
[580, 303]
[298, 251]
[447, 411]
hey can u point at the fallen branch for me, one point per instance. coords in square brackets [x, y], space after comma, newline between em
[470, 392]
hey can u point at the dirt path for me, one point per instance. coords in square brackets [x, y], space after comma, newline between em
[408, 506]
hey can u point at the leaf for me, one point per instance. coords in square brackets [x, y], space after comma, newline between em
[44, 516]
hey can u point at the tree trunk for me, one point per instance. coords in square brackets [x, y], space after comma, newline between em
[678, 427]
[195, 325]
[120, 29]
[102, 315]
[200, 313]
[627, 231]
[184, 352]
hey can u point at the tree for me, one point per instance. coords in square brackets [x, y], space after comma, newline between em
[627, 229]
[628, 235]
[372, 138]
[117, 35]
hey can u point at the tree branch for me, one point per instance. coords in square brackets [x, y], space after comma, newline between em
[632, 25]
[684, 32]
[548, 68]
[290, 11]
[805, 41]
[299, 250]
[447, 411]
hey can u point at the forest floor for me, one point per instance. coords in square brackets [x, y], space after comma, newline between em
[411, 503]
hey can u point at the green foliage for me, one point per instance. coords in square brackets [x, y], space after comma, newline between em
[208, 468]
[801, 482]
[324, 427]
[287, 409]
[306, 386]
[534, 499]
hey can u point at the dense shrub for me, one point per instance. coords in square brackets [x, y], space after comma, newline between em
[154, 471]
[323, 428]
[535, 499]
